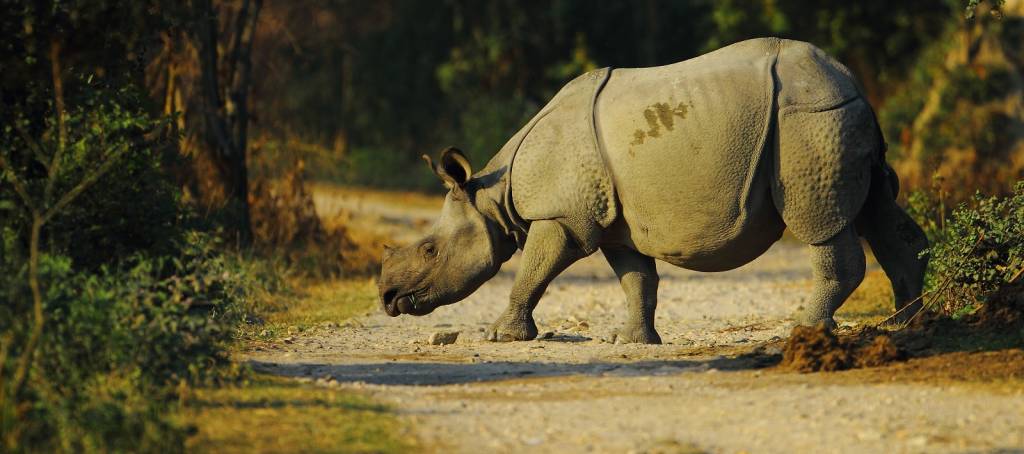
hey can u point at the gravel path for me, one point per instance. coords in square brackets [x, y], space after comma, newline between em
[575, 392]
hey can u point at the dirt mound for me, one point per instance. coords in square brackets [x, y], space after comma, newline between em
[1004, 310]
[819, 349]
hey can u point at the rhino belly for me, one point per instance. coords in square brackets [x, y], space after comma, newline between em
[684, 144]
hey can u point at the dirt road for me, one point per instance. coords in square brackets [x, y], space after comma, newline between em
[575, 392]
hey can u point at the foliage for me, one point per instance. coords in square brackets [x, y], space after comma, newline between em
[104, 127]
[875, 39]
[377, 84]
[978, 252]
[957, 114]
[121, 341]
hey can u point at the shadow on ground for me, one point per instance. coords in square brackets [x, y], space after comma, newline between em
[437, 373]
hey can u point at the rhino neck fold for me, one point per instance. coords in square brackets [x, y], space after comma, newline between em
[491, 200]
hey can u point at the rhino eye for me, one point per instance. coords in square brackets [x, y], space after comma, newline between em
[429, 250]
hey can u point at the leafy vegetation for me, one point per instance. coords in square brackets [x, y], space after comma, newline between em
[118, 343]
[978, 252]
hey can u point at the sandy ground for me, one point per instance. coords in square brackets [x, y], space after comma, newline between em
[575, 392]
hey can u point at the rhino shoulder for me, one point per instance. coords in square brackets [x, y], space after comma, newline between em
[559, 170]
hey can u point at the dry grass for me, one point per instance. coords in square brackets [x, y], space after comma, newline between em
[280, 415]
[315, 305]
[275, 415]
[400, 198]
[871, 303]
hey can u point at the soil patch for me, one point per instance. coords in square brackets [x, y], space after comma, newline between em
[819, 349]
[995, 325]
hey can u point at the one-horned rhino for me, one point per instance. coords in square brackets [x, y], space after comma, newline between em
[701, 164]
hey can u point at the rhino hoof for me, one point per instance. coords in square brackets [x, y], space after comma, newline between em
[829, 322]
[506, 331]
[636, 336]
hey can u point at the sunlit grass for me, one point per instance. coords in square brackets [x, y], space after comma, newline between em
[871, 303]
[400, 198]
[277, 415]
[315, 305]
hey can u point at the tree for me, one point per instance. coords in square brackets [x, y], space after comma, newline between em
[224, 37]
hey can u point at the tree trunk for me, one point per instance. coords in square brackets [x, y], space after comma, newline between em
[225, 68]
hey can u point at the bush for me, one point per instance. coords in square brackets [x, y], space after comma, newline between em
[978, 252]
[119, 341]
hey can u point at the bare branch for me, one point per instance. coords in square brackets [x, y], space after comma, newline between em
[241, 20]
[19, 186]
[1016, 276]
[62, 131]
[108, 161]
[36, 148]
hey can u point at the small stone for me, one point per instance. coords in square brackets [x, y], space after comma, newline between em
[583, 326]
[443, 338]
[288, 340]
[253, 320]
[546, 335]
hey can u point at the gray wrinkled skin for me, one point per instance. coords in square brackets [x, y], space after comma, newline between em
[701, 164]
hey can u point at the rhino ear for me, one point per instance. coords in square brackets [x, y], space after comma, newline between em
[454, 168]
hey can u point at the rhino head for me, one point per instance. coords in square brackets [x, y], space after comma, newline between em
[464, 249]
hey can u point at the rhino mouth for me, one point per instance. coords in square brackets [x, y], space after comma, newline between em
[407, 304]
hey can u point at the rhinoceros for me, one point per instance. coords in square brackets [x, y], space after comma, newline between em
[701, 164]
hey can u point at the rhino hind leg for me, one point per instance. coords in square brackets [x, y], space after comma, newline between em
[639, 278]
[838, 269]
[897, 242]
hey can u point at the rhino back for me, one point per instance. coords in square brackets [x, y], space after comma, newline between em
[684, 143]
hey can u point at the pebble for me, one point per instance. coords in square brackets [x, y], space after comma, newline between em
[443, 337]
[288, 340]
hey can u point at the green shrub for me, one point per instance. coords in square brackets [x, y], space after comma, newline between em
[120, 340]
[978, 252]
[134, 207]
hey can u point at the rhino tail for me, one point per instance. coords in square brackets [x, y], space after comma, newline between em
[881, 171]
[884, 185]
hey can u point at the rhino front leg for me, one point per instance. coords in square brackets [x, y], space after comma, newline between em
[639, 278]
[548, 251]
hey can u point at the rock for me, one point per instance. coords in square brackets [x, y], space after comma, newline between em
[443, 337]
[253, 320]
[546, 335]
[288, 340]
